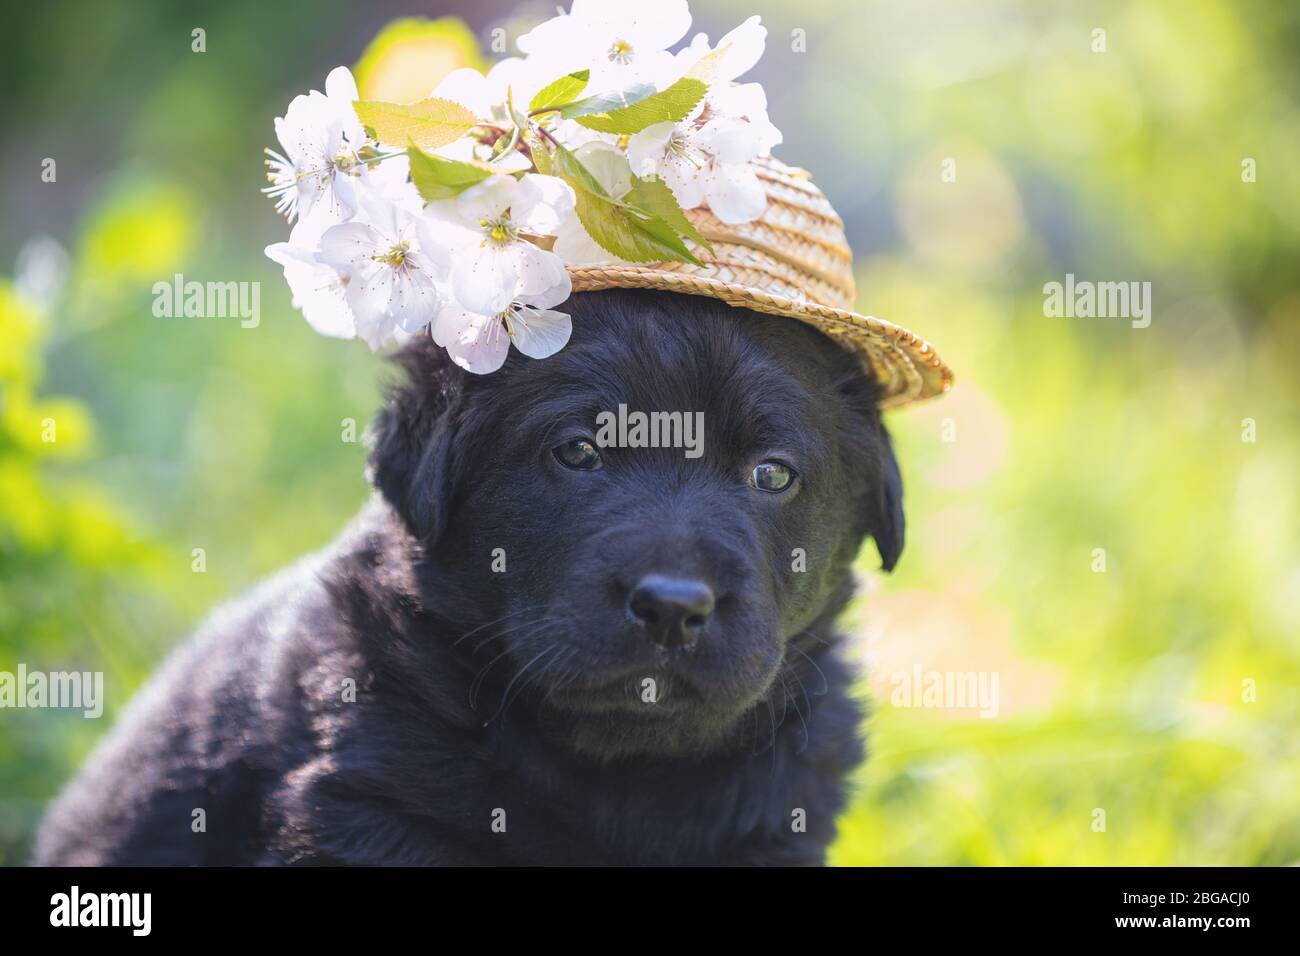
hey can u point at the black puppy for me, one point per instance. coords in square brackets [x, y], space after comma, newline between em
[530, 649]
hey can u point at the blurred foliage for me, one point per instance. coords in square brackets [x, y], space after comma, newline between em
[73, 570]
[395, 67]
[1120, 691]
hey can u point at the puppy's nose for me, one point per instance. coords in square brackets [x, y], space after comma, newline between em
[671, 611]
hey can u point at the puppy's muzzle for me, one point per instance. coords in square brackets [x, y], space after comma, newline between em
[671, 612]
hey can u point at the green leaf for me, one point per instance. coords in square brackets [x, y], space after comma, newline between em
[607, 102]
[429, 124]
[618, 227]
[632, 110]
[519, 119]
[618, 231]
[669, 105]
[560, 93]
[439, 178]
[541, 158]
[654, 196]
[569, 168]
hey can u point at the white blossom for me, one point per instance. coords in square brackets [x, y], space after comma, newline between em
[367, 258]
[487, 225]
[708, 156]
[620, 41]
[392, 265]
[322, 140]
[479, 343]
[319, 290]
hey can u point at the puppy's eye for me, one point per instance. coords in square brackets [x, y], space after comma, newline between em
[773, 476]
[579, 454]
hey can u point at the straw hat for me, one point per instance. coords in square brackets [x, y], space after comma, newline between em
[792, 261]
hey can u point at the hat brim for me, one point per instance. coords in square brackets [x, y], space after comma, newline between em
[904, 364]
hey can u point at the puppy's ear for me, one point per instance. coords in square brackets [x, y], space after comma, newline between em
[411, 439]
[885, 505]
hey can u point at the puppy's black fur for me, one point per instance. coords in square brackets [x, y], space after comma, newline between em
[402, 699]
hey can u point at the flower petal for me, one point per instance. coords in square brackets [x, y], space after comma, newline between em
[646, 27]
[482, 346]
[468, 87]
[321, 293]
[429, 253]
[369, 294]
[735, 193]
[305, 132]
[341, 86]
[575, 247]
[415, 299]
[686, 181]
[486, 279]
[378, 333]
[541, 204]
[390, 180]
[384, 215]
[486, 200]
[731, 140]
[540, 332]
[739, 101]
[350, 246]
[744, 46]
[646, 150]
[452, 320]
[520, 77]
[288, 254]
[543, 279]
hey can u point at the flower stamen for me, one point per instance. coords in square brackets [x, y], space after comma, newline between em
[397, 257]
[500, 231]
[620, 52]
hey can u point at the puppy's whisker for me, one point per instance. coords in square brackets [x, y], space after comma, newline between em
[785, 698]
[771, 720]
[497, 635]
[501, 620]
[566, 674]
[478, 680]
[820, 673]
[794, 701]
[557, 666]
[505, 697]
[803, 690]
[577, 671]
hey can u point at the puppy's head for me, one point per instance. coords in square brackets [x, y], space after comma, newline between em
[647, 596]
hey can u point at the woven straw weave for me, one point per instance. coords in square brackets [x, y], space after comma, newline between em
[792, 261]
